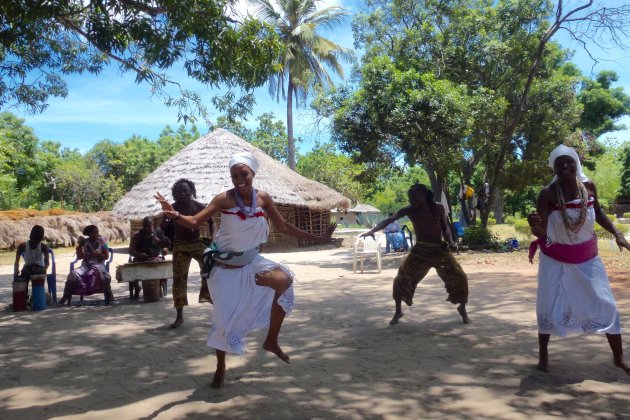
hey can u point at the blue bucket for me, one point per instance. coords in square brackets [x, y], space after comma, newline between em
[39, 292]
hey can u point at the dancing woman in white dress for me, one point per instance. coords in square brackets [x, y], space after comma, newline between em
[574, 294]
[249, 291]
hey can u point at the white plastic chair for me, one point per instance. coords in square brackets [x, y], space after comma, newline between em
[366, 247]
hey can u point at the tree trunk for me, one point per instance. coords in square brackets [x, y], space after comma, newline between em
[498, 206]
[290, 139]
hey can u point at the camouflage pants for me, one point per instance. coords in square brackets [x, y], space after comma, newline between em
[183, 254]
[416, 266]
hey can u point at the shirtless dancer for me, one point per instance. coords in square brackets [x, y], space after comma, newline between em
[430, 226]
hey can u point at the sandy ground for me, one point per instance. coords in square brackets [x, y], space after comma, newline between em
[117, 362]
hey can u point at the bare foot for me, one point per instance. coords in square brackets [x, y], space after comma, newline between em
[396, 317]
[178, 321]
[462, 311]
[275, 349]
[543, 362]
[622, 364]
[219, 376]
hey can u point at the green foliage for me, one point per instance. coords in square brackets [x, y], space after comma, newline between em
[324, 164]
[603, 105]
[390, 189]
[604, 234]
[624, 187]
[42, 42]
[479, 236]
[271, 137]
[495, 61]
[306, 53]
[607, 175]
[522, 226]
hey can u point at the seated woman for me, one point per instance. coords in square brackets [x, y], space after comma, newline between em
[35, 254]
[91, 276]
[148, 244]
[394, 237]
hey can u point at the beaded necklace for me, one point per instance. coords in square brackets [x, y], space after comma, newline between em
[569, 223]
[241, 206]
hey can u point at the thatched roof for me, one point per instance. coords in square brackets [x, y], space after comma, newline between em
[205, 162]
[62, 230]
[364, 208]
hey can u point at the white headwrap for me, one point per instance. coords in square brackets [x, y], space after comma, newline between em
[245, 158]
[563, 150]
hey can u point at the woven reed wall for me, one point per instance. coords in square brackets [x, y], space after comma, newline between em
[309, 220]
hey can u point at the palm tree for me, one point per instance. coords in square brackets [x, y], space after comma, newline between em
[306, 54]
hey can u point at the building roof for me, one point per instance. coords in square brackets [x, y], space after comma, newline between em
[205, 162]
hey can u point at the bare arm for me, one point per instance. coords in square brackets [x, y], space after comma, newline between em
[46, 258]
[287, 228]
[383, 223]
[538, 220]
[133, 247]
[192, 222]
[18, 254]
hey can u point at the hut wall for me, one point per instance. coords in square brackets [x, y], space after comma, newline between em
[309, 220]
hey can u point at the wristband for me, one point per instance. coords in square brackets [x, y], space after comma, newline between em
[618, 233]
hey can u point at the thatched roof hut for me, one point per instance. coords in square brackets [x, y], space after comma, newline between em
[61, 230]
[363, 214]
[303, 202]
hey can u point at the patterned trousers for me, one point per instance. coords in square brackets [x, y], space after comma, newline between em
[183, 254]
[422, 258]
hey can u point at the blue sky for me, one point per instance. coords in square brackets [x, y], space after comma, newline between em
[111, 106]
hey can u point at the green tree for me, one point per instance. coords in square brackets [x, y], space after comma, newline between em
[324, 164]
[21, 173]
[306, 54]
[390, 190]
[271, 137]
[171, 142]
[83, 187]
[624, 188]
[501, 52]
[128, 162]
[603, 104]
[43, 41]
[607, 177]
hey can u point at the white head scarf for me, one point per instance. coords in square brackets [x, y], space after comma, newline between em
[563, 150]
[245, 158]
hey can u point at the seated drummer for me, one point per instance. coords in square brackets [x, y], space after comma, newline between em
[35, 254]
[148, 244]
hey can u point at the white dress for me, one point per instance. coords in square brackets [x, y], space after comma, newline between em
[574, 298]
[240, 305]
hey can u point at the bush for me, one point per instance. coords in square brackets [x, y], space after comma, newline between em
[492, 221]
[604, 234]
[522, 227]
[479, 236]
[509, 220]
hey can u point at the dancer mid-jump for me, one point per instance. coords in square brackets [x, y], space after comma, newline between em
[249, 291]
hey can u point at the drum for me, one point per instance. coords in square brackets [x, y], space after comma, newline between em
[20, 287]
[39, 291]
[151, 290]
[149, 270]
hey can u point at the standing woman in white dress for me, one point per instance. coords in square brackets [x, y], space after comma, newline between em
[249, 291]
[574, 294]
